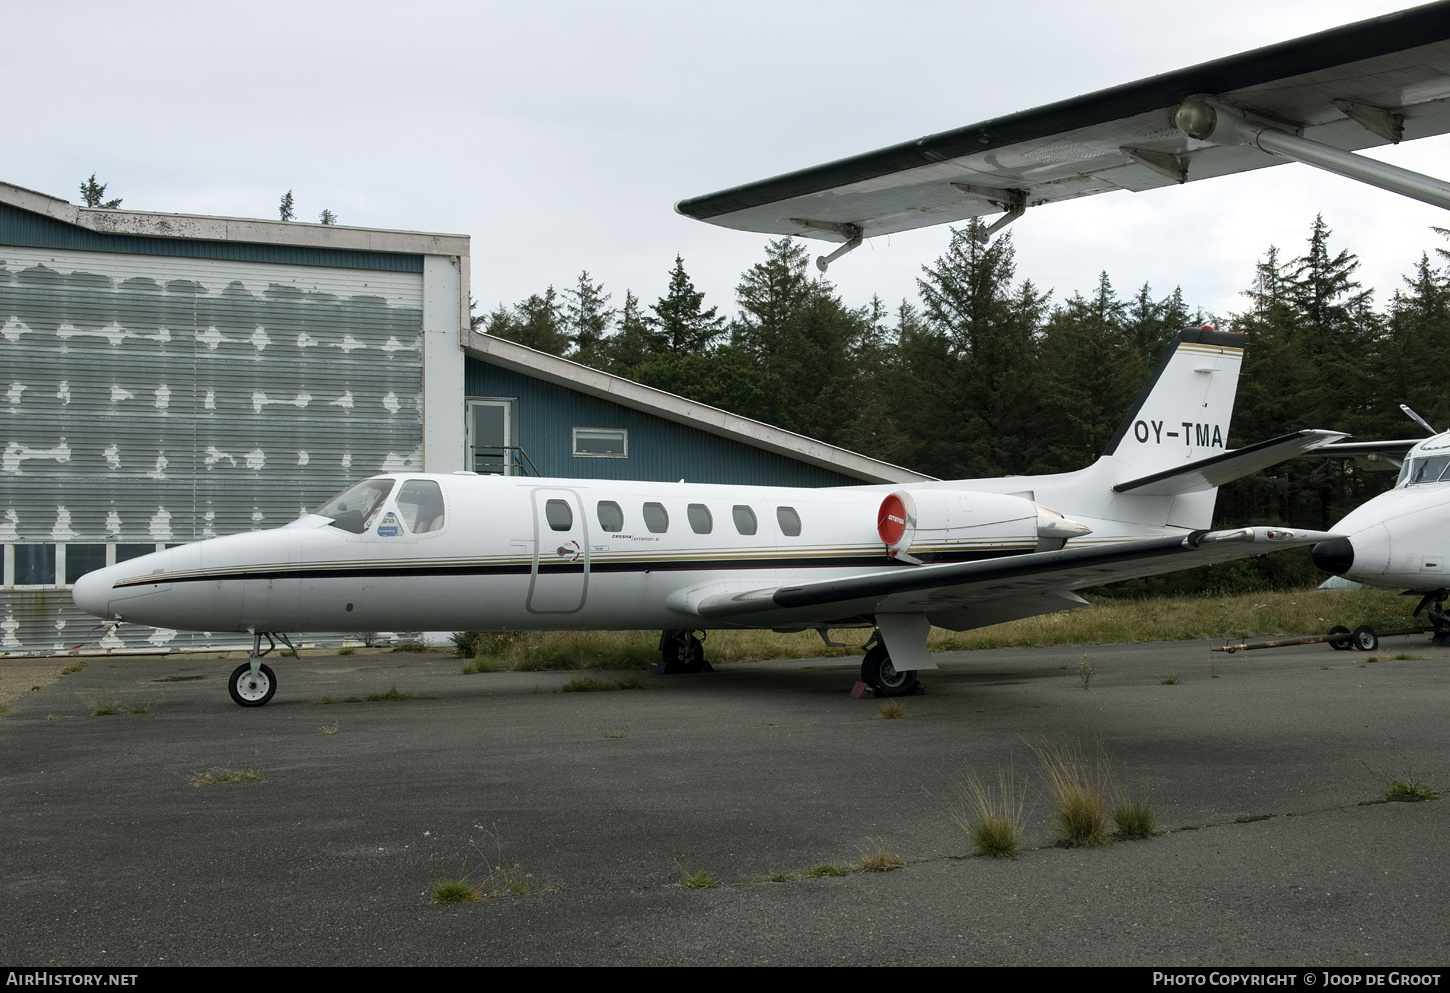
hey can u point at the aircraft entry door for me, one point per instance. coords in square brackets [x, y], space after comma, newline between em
[560, 579]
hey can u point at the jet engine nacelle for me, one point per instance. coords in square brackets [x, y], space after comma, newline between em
[932, 523]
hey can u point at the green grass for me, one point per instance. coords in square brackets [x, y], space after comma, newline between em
[103, 706]
[1409, 790]
[73, 667]
[347, 651]
[392, 694]
[782, 877]
[593, 684]
[879, 861]
[698, 880]
[823, 872]
[1133, 820]
[1079, 785]
[891, 710]
[1170, 681]
[455, 891]
[992, 818]
[221, 774]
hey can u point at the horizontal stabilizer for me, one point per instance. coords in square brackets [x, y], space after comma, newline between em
[1205, 474]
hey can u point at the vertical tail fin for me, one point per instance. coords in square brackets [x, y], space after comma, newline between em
[1183, 413]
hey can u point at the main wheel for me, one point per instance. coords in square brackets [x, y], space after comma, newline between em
[878, 673]
[1343, 644]
[249, 690]
[683, 653]
[1365, 639]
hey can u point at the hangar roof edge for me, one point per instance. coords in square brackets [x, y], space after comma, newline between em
[240, 229]
[713, 420]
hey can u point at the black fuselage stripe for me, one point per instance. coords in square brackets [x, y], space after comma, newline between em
[573, 568]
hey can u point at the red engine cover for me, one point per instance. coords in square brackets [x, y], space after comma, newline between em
[891, 520]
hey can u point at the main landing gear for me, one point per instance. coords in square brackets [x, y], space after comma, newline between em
[253, 682]
[878, 672]
[681, 651]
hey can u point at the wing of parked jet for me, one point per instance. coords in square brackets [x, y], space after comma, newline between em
[1315, 99]
[970, 594]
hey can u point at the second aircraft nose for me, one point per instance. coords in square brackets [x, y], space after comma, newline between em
[1335, 557]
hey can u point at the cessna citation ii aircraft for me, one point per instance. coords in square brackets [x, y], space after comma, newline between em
[463, 551]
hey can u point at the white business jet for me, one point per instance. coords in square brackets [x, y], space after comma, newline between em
[463, 551]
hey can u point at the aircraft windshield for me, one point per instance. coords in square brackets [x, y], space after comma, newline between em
[1424, 470]
[354, 509]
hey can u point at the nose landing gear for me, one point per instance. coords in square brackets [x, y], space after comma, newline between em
[253, 683]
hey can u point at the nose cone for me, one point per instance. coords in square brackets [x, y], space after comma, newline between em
[92, 592]
[1335, 557]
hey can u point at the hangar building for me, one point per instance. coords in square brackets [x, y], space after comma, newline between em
[169, 378]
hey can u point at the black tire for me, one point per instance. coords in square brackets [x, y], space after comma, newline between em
[1365, 639]
[683, 653]
[1343, 644]
[249, 691]
[878, 673]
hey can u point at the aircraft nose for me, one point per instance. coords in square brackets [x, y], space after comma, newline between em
[1335, 556]
[92, 592]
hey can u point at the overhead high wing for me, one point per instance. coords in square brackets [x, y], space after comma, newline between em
[1315, 99]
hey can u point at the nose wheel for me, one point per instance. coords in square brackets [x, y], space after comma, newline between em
[252, 689]
[878, 672]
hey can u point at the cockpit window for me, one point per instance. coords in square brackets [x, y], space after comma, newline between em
[353, 509]
[420, 502]
[1426, 470]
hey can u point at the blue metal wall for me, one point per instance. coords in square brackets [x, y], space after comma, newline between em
[545, 416]
[20, 227]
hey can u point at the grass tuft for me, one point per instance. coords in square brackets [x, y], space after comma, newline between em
[392, 694]
[879, 861]
[891, 710]
[221, 774]
[455, 891]
[1086, 671]
[103, 706]
[993, 819]
[593, 684]
[1170, 681]
[1409, 790]
[1080, 786]
[411, 646]
[329, 728]
[698, 880]
[73, 667]
[347, 651]
[823, 872]
[1134, 820]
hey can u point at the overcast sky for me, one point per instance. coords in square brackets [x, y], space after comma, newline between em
[560, 135]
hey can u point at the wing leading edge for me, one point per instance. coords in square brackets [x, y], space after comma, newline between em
[1348, 88]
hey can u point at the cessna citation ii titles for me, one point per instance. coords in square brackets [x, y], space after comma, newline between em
[464, 551]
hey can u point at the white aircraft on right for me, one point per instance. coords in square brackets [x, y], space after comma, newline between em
[1401, 538]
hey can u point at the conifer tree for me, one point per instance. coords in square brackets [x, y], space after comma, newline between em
[286, 206]
[94, 194]
[680, 322]
[587, 319]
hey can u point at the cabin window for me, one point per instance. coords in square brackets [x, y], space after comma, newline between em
[789, 520]
[611, 516]
[35, 565]
[700, 520]
[420, 503]
[597, 443]
[744, 518]
[1428, 470]
[354, 509]
[558, 514]
[81, 559]
[656, 518]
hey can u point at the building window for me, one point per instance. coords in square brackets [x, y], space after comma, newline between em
[601, 443]
[81, 559]
[35, 565]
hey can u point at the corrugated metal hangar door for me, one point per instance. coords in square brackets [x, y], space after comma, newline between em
[156, 400]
